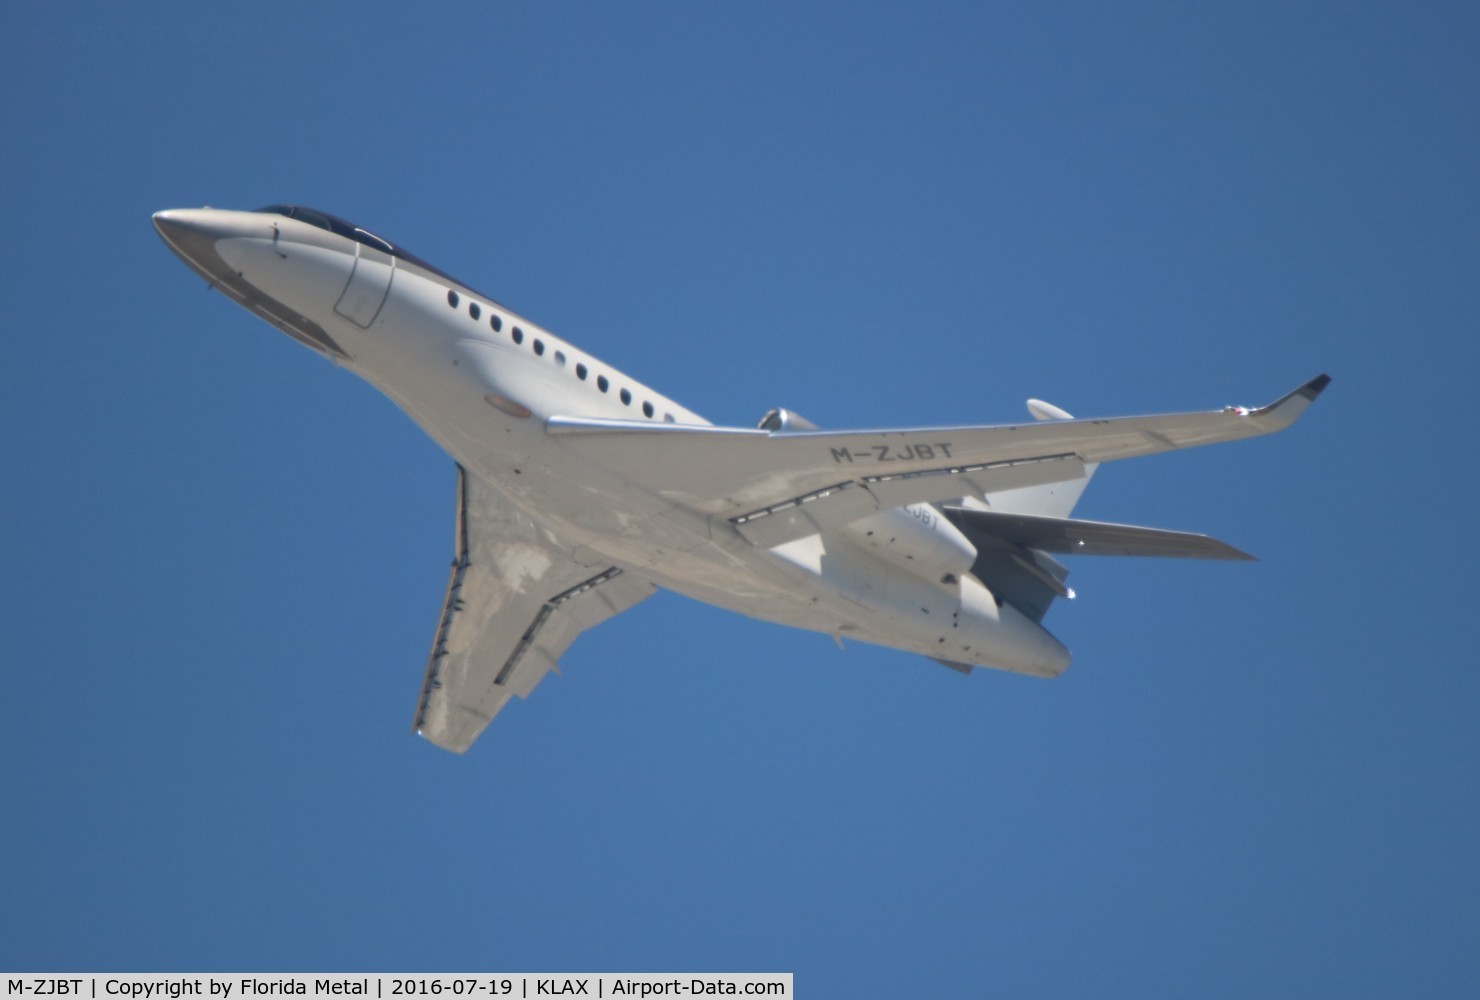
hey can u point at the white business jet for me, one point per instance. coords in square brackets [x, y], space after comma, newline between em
[580, 490]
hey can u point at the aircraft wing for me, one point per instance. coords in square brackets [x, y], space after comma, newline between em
[515, 600]
[777, 486]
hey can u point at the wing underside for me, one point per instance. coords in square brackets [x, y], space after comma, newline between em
[515, 601]
[777, 486]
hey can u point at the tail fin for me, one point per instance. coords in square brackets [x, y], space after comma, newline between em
[1050, 499]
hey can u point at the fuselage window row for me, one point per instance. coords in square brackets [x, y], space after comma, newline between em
[496, 321]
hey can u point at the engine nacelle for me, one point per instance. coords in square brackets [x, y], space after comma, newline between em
[960, 622]
[917, 539]
[779, 421]
[965, 624]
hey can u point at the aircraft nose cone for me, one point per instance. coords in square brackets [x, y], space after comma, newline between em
[177, 221]
[190, 232]
[172, 220]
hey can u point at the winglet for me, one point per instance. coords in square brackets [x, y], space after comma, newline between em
[1284, 411]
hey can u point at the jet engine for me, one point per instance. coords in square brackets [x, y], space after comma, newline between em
[779, 421]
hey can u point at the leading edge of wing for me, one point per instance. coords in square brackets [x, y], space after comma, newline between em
[752, 476]
[1250, 422]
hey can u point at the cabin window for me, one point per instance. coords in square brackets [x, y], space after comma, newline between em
[626, 398]
[452, 298]
[602, 383]
[560, 358]
[581, 372]
[473, 310]
[647, 409]
[668, 419]
[539, 346]
[518, 335]
[496, 321]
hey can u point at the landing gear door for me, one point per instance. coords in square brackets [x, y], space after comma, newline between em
[368, 285]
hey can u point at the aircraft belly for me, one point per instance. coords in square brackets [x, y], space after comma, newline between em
[674, 549]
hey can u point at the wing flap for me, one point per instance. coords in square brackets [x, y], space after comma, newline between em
[851, 500]
[931, 485]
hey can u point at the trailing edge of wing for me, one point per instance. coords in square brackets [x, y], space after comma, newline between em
[848, 501]
[1068, 536]
[751, 475]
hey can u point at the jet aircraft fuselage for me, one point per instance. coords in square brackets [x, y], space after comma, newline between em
[580, 489]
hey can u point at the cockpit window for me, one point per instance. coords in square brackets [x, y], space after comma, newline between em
[315, 219]
[349, 230]
[326, 221]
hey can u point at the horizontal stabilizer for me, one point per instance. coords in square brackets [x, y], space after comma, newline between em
[1068, 536]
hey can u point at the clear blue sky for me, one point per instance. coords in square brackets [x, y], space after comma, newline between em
[221, 559]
